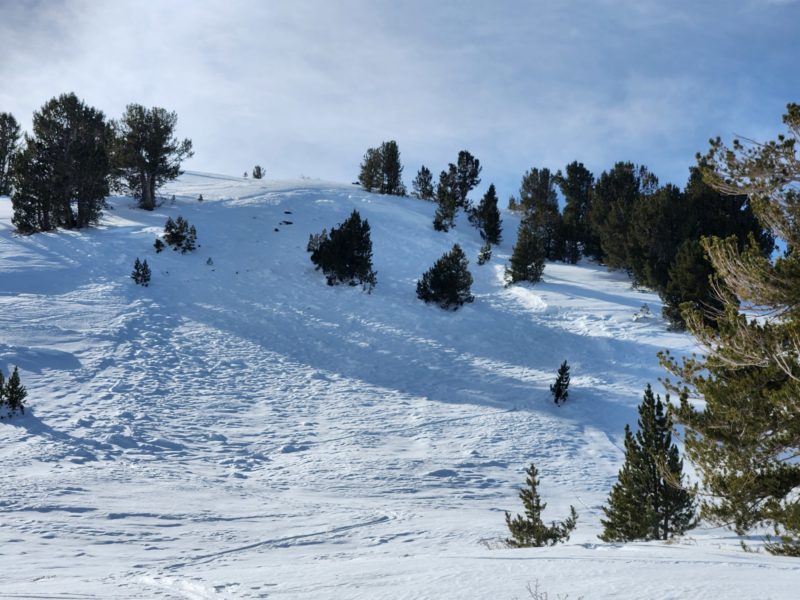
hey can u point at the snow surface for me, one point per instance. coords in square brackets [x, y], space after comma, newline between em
[242, 430]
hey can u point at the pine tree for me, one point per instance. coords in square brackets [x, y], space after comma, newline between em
[15, 393]
[576, 187]
[423, 184]
[527, 257]
[749, 376]
[2, 392]
[486, 217]
[381, 170]
[485, 254]
[9, 140]
[561, 386]
[649, 500]
[60, 177]
[538, 199]
[141, 273]
[370, 176]
[446, 202]
[345, 255]
[529, 530]
[614, 198]
[147, 153]
[258, 172]
[448, 282]
[391, 170]
[465, 177]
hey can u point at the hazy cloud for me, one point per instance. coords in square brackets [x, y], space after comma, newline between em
[306, 87]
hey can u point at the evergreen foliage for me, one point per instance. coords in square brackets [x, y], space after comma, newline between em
[158, 245]
[12, 394]
[381, 170]
[446, 201]
[649, 500]
[539, 202]
[485, 254]
[423, 184]
[486, 217]
[560, 389]
[258, 172]
[180, 235]
[576, 185]
[146, 152]
[448, 281]
[749, 378]
[465, 175]
[529, 530]
[9, 140]
[141, 273]
[345, 255]
[60, 177]
[527, 257]
[614, 198]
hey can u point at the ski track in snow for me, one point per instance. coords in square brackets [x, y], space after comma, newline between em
[242, 430]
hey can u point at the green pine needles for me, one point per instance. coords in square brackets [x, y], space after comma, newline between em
[649, 500]
[448, 281]
[529, 530]
[12, 395]
[560, 389]
[345, 254]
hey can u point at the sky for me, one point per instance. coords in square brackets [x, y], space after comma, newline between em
[303, 88]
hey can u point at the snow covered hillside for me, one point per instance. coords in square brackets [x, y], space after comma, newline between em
[239, 429]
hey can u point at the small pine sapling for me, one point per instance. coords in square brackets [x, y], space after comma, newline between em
[158, 245]
[560, 389]
[15, 393]
[141, 273]
[529, 530]
[485, 254]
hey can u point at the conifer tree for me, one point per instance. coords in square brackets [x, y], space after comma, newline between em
[538, 199]
[576, 185]
[529, 530]
[345, 254]
[60, 177]
[616, 193]
[527, 257]
[486, 217]
[560, 388]
[2, 391]
[147, 153]
[485, 253]
[423, 184]
[465, 177]
[749, 377]
[15, 393]
[446, 202]
[649, 500]
[391, 170]
[381, 170]
[448, 281]
[9, 140]
[370, 176]
[258, 172]
[141, 273]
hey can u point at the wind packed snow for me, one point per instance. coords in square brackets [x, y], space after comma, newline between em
[239, 429]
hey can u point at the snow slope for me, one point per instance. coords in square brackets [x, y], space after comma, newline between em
[242, 430]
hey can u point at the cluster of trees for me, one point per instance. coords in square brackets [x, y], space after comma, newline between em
[745, 439]
[381, 170]
[12, 395]
[178, 234]
[650, 500]
[141, 273]
[625, 220]
[62, 172]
